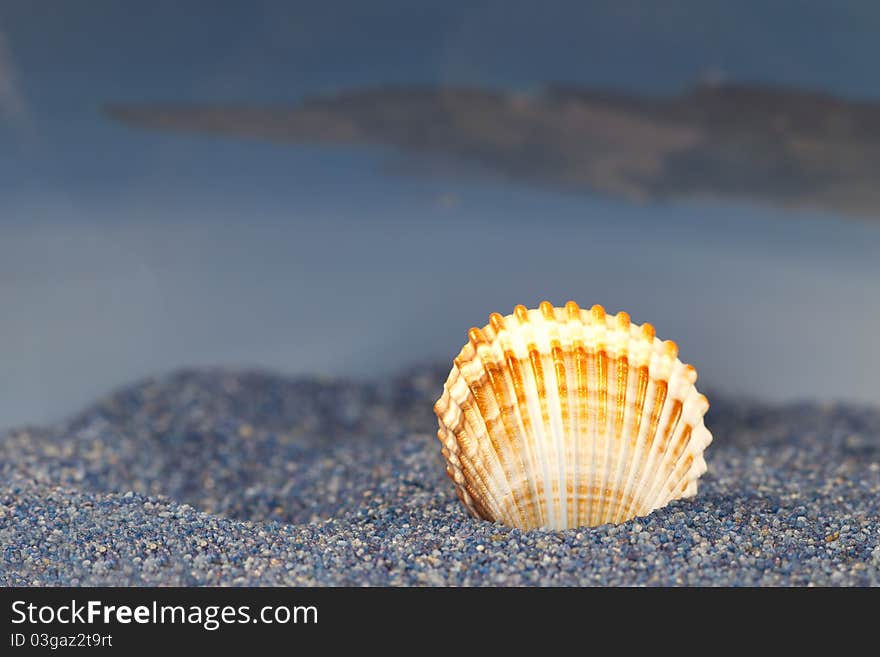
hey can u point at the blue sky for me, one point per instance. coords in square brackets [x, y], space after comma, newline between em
[128, 253]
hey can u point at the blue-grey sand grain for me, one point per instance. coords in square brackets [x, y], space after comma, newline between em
[236, 478]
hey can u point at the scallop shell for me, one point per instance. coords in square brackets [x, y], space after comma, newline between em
[563, 417]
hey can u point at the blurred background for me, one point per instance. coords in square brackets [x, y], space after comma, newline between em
[343, 188]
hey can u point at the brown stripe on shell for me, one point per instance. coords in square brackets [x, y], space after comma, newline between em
[478, 392]
[660, 491]
[517, 422]
[467, 437]
[586, 446]
[596, 439]
[657, 402]
[529, 437]
[625, 500]
[553, 369]
[615, 490]
[480, 471]
[568, 436]
[470, 490]
[546, 434]
[499, 389]
[673, 469]
[599, 399]
[664, 467]
[460, 458]
[514, 468]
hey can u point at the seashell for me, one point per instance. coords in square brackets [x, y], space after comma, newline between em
[563, 417]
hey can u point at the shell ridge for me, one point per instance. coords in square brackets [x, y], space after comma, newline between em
[584, 445]
[645, 399]
[620, 380]
[453, 468]
[602, 427]
[553, 405]
[657, 370]
[619, 445]
[536, 409]
[570, 432]
[592, 422]
[516, 429]
[570, 321]
[702, 438]
[670, 432]
[525, 425]
[456, 459]
[680, 458]
[558, 422]
[643, 445]
[470, 434]
[509, 456]
[639, 379]
[662, 469]
[622, 437]
[480, 490]
[610, 447]
[532, 408]
[680, 463]
[591, 347]
[482, 436]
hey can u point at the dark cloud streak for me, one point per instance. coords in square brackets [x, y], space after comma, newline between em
[783, 146]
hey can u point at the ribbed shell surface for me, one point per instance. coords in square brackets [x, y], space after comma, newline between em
[562, 417]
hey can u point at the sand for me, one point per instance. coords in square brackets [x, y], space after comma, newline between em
[215, 477]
